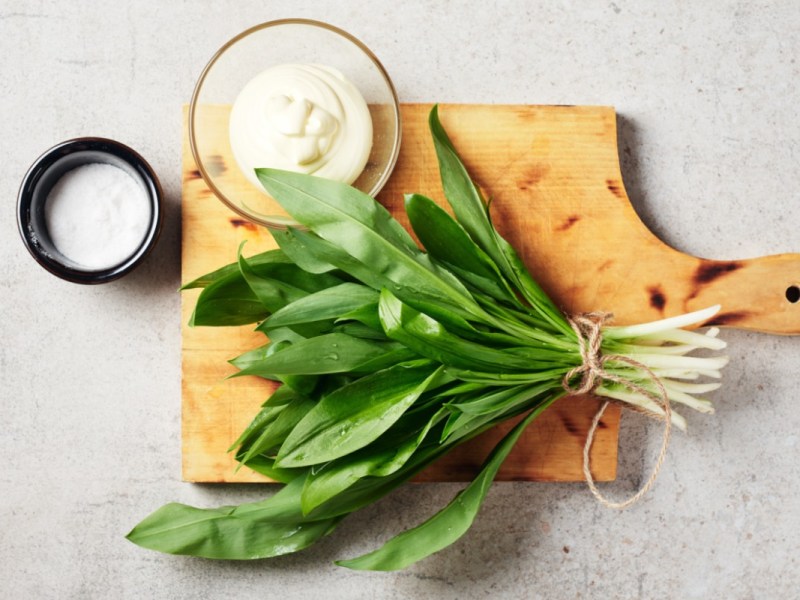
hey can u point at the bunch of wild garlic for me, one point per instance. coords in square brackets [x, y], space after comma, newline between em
[390, 356]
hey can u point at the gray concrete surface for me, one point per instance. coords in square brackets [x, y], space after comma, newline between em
[89, 399]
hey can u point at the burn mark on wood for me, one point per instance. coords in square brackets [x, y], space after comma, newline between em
[193, 174]
[532, 176]
[709, 271]
[615, 187]
[568, 222]
[657, 298]
[606, 265]
[236, 222]
[215, 165]
[728, 318]
[571, 427]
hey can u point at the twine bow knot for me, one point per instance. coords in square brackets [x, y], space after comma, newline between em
[588, 329]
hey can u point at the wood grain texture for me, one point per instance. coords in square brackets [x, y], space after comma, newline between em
[557, 194]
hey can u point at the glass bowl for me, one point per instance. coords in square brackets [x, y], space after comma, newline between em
[259, 48]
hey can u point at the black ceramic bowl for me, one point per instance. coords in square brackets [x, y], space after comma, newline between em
[43, 175]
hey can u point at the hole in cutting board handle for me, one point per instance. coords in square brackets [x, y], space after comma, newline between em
[793, 293]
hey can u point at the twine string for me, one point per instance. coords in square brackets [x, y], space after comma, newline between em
[588, 329]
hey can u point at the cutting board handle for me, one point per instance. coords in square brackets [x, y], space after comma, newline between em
[758, 294]
[761, 294]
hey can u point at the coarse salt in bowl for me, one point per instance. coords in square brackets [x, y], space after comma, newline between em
[89, 210]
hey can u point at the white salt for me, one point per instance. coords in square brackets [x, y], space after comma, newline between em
[97, 215]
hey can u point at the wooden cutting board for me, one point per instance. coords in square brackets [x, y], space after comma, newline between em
[553, 175]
